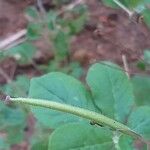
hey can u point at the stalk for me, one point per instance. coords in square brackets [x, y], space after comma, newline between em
[84, 113]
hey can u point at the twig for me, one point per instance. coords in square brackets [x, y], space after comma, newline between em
[41, 8]
[130, 13]
[72, 5]
[12, 39]
[17, 42]
[126, 68]
[81, 112]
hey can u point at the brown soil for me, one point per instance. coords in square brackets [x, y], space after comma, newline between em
[107, 35]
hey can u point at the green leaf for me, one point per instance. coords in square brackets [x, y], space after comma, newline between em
[40, 138]
[10, 117]
[141, 65]
[111, 89]
[141, 86]
[131, 3]
[126, 143]
[61, 44]
[18, 87]
[32, 12]
[147, 56]
[3, 144]
[13, 122]
[23, 53]
[79, 9]
[34, 31]
[77, 136]
[76, 70]
[146, 16]
[139, 121]
[15, 135]
[41, 144]
[51, 17]
[61, 88]
[77, 25]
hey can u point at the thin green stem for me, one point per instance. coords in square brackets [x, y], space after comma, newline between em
[130, 13]
[84, 113]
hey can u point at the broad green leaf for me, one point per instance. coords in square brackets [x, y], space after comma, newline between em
[77, 136]
[111, 89]
[18, 87]
[60, 88]
[141, 86]
[139, 121]
[23, 53]
[126, 143]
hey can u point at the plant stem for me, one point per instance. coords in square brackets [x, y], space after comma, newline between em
[130, 13]
[84, 113]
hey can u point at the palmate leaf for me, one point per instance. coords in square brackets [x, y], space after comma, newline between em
[111, 89]
[60, 88]
[77, 136]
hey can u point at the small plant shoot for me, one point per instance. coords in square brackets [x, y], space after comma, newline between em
[61, 102]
